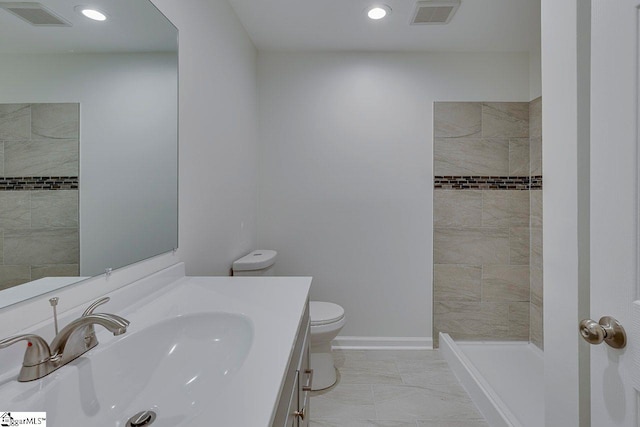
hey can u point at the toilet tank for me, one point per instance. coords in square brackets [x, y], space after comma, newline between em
[256, 263]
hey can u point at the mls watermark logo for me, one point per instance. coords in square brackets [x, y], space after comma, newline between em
[10, 419]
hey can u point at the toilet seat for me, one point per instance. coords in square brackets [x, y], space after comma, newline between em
[324, 313]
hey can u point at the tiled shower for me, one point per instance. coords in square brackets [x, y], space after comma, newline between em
[39, 158]
[488, 221]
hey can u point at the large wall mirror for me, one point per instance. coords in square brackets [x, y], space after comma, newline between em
[88, 141]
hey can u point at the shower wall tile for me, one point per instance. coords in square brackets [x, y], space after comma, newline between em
[519, 318]
[471, 246]
[57, 270]
[15, 211]
[519, 157]
[41, 246]
[519, 241]
[505, 208]
[12, 275]
[54, 209]
[482, 277]
[535, 118]
[15, 121]
[505, 283]
[2, 159]
[537, 291]
[536, 247]
[536, 332]
[505, 119]
[457, 208]
[471, 156]
[457, 282]
[535, 154]
[536, 208]
[55, 121]
[41, 158]
[472, 320]
[457, 119]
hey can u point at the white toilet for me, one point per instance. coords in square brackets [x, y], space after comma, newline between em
[327, 319]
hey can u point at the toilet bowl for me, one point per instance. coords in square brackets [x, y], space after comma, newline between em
[327, 319]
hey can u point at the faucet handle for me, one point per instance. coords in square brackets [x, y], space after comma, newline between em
[37, 351]
[94, 305]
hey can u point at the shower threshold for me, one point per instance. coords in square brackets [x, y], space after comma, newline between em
[505, 379]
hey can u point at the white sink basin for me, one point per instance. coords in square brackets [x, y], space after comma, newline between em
[176, 367]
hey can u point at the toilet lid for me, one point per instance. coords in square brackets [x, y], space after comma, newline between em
[322, 313]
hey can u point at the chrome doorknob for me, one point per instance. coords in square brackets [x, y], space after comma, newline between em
[607, 329]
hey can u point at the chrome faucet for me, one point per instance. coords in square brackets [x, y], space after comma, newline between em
[71, 342]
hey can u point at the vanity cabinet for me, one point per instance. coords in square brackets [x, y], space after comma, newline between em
[293, 405]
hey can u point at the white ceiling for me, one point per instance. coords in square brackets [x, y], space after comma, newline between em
[133, 26]
[330, 25]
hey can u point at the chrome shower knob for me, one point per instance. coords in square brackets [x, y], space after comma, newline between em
[607, 329]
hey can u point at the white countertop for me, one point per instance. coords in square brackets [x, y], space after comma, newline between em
[274, 304]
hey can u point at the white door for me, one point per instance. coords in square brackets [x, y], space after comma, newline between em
[614, 202]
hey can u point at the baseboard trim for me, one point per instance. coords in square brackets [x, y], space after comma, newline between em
[382, 343]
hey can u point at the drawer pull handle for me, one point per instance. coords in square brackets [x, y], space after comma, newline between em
[310, 381]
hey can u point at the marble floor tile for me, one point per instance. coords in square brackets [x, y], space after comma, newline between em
[429, 394]
[418, 403]
[453, 423]
[364, 423]
[370, 372]
[345, 402]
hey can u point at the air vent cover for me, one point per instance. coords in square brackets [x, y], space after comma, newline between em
[435, 12]
[35, 14]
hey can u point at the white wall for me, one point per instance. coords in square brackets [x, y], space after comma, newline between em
[346, 180]
[218, 135]
[535, 74]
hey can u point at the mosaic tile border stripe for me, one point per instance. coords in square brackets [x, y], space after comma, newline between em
[488, 182]
[29, 183]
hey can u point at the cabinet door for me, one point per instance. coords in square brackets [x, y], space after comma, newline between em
[304, 386]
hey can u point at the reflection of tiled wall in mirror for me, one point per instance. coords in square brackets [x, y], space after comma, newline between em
[39, 158]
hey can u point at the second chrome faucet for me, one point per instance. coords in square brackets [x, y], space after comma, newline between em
[75, 339]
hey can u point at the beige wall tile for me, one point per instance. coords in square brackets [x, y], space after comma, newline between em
[535, 118]
[495, 209]
[13, 275]
[504, 208]
[15, 122]
[471, 246]
[457, 208]
[536, 247]
[519, 320]
[505, 283]
[468, 156]
[457, 119]
[471, 320]
[505, 120]
[519, 245]
[15, 209]
[41, 158]
[38, 246]
[57, 121]
[536, 326]
[519, 157]
[536, 286]
[54, 209]
[456, 282]
[535, 156]
[536, 208]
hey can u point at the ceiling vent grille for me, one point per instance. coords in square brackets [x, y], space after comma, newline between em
[35, 14]
[434, 12]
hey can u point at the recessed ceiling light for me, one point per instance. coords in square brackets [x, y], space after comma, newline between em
[91, 13]
[378, 11]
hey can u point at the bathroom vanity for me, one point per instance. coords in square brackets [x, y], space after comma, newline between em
[200, 351]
